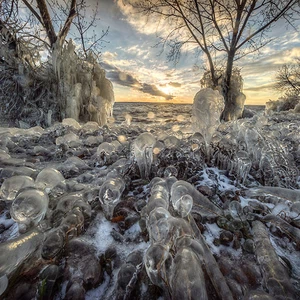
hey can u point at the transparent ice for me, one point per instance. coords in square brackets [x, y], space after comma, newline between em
[71, 122]
[49, 178]
[69, 140]
[15, 252]
[105, 151]
[29, 207]
[184, 205]
[110, 194]
[207, 108]
[158, 262]
[11, 186]
[187, 276]
[143, 153]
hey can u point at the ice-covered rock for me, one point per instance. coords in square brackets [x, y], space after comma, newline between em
[29, 207]
[71, 122]
[110, 194]
[11, 186]
[69, 140]
[49, 178]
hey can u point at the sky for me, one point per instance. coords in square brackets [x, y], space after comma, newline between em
[140, 72]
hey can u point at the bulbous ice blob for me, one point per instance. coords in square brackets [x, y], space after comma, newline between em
[160, 190]
[49, 178]
[71, 122]
[69, 140]
[170, 171]
[53, 244]
[158, 262]
[4, 155]
[184, 205]
[110, 194]
[90, 127]
[66, 202]
[171, 142]
[29, 207]
[143, 152]
[11, 186]
[179, 189]
[159, 231]
[157, 214]
[105, 150]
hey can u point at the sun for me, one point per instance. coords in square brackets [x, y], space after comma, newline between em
[167, 89]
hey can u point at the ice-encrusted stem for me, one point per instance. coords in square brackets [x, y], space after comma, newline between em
[15, 252]
[275, 276]
[284, 193]
[291, 231]
[200, 247]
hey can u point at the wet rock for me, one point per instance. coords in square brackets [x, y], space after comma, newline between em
[226, 237]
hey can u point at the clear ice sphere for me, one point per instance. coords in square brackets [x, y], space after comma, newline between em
[184, 205]
[29, 207]
[143, 153]
[49, 178]
[11, 186]
[110, 193]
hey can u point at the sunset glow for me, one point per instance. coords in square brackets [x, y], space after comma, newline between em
[141, 73]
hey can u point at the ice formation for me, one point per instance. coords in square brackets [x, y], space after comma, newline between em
[143, 152]
[86, 92]
[224, 227]
[206, 112]
[11, 186]
[110, 194]
[29, 207]
[49, 178]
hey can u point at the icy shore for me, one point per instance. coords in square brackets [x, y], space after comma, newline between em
[91, 212]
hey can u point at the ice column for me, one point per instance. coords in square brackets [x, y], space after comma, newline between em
[143, 152]
[207, 108]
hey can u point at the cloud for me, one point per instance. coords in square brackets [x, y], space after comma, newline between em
[126, 79]
[175, 84]
[260, 88]
[153, 90]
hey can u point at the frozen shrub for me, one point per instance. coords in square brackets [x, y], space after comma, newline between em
[284, 103]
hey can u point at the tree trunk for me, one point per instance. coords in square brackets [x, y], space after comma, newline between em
[230, 102]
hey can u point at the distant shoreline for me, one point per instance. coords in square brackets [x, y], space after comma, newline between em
[164, 103]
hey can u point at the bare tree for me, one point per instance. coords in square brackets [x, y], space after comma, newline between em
[288, 78]
[63, 84]
[230, 29]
